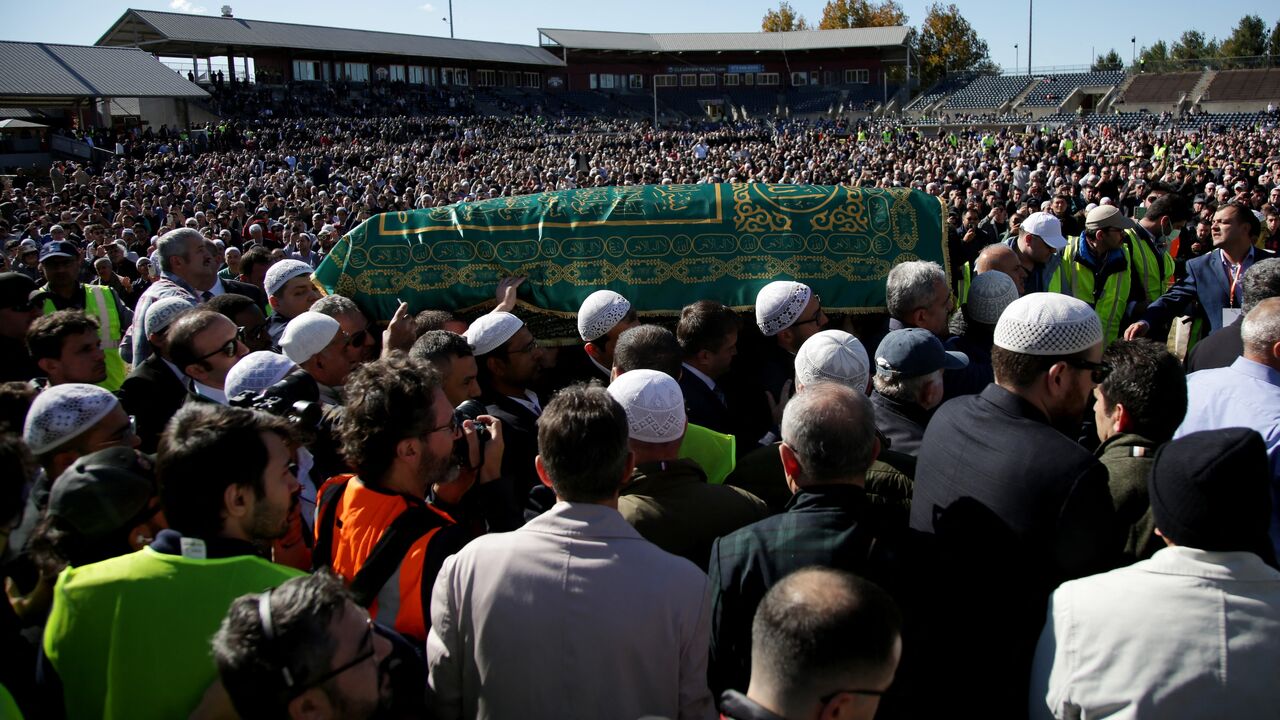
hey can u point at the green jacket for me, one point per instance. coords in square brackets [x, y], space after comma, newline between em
[671, 505]
[1128, 459]
[129, 636]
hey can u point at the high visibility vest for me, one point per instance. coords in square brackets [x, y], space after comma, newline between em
[966, 281]
[714, 452]
[1155, 267]
[100, 303]
[1109, 301]
[383, 561]
[1158, 152]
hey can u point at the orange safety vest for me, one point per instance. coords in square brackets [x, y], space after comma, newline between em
[381, 544]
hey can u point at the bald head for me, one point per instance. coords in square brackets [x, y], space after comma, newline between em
[999, 256]
[1260, 333]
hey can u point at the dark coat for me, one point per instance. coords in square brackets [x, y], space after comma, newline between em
[1205, 284]
[823, 525]
[249, 290]
[1128, 459]
[520, 447]
[1218, 350]
[703, 407]
[673, 507]
[1007, 507]
[903, 423]
[152, 394]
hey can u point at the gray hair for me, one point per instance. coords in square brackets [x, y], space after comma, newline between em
[1261, 281]
[832, 429]
[1261, 329]
[335, 305]
[102, 261]
[173, 244]
[911, 285]
[904, 389]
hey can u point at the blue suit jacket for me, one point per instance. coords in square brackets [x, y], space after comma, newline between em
[1205, 282]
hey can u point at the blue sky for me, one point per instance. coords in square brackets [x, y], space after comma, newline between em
[1060, 36]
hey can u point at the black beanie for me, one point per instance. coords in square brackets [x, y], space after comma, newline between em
[1211, 490]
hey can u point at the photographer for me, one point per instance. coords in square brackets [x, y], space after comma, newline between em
[377, 528]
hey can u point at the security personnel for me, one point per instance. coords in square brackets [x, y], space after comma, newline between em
[1148, 243]
[377, 529]
[60, 262]
[1098, 269]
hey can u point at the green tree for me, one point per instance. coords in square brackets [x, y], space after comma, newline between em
[948, 43]
[1110, 61]
[1154, 58]
[1193, 46]
[861, 13]
[1273, 46]
[783, 19]
[1249, 38]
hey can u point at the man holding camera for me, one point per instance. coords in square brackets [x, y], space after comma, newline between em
[377, 528]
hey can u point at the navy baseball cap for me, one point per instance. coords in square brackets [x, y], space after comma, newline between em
[913, 352]
[58, 248]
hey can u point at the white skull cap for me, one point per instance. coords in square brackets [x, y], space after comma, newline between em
[162, 313]
[833, 356]
[282, 272]
[63, 412]
[990, 293]
[257, 371]
[1048, 323]
[600, 312]
[307, 335]
[779, 304]
[490, 331]
[654, 405]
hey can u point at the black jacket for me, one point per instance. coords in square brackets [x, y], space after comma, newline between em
[1007, 507]
[249, 290]
[520, 447]
[703, 407]
[152, 394]
[903, 423]
[1218, 350]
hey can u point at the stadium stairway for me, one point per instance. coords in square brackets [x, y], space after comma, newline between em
[1198, 91]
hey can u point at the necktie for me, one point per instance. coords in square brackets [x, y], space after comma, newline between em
[719, 394]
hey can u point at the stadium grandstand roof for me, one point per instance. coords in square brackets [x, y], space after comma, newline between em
[184, 34]
[47, 72]
[727, 42]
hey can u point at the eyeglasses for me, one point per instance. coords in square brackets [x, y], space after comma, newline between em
[1098, 370]
[229, 349]
[255, 331]
[357, 339]
[452, 426]
[269, 633]
[533, 344]
[816, 315]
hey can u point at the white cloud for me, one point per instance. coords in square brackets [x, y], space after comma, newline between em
[429, 7]
[187, 6]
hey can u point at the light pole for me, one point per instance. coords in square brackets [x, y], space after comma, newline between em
[450, 19]
[1133, 57]
[1030, 11]
[1016, 55]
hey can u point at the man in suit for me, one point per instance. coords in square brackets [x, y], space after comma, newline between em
[156, 388]
[1012, 504]
[1213, 280]
[588, 585]
[205, 345]
[225, 285]
[708, 336]
[828, 443]
[1219, 350]
[509, 361]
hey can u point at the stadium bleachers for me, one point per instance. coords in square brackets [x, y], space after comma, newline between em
[1051, 91]
[988, 91]
[941, 89]
[1160, 87]
[1244, 85]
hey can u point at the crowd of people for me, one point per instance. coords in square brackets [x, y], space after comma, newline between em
[226, 493]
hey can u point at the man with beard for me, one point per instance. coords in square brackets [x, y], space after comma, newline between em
[130, 635]
[381, 529]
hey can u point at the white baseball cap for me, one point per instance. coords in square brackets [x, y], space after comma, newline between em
[1046, 227]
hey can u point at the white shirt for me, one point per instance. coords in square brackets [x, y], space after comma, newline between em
[529, 402]
[711, 384]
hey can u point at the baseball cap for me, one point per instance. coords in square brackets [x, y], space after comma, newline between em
[58, 248]
[1046, 227]
[912, 352]
[15, 290]
[105, 491]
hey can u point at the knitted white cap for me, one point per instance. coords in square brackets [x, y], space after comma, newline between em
[257, 371]
[489, 331]
[162, 313]
[600, 312]
[990, 293]
[307, 335]
[282, 272]
[833, 356]
[1048, 324]
[779, 304]
[654, 405]
[63, 412]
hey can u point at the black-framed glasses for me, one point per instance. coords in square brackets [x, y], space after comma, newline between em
[533, 345]
[253, 331]
[230, 348]
[832, 696]
[1098, 370]
[452, 426]
[358, 338]
[269, 632]
[816, 315]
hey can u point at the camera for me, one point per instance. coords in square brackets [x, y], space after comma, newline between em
[470, 410]
[295, 398]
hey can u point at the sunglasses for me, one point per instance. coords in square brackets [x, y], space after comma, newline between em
[230, 349]
[22, 307]
[1098, 370]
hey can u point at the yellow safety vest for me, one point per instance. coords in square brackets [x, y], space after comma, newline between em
[714, 452]
[1109, 301]
[966, 281]
[100, 303]
[1154, 267]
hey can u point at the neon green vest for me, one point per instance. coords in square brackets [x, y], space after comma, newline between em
[1155, 268]
[100, 304]
[966, 280]
[1108, 302]
[130, 636]
[713, 451]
